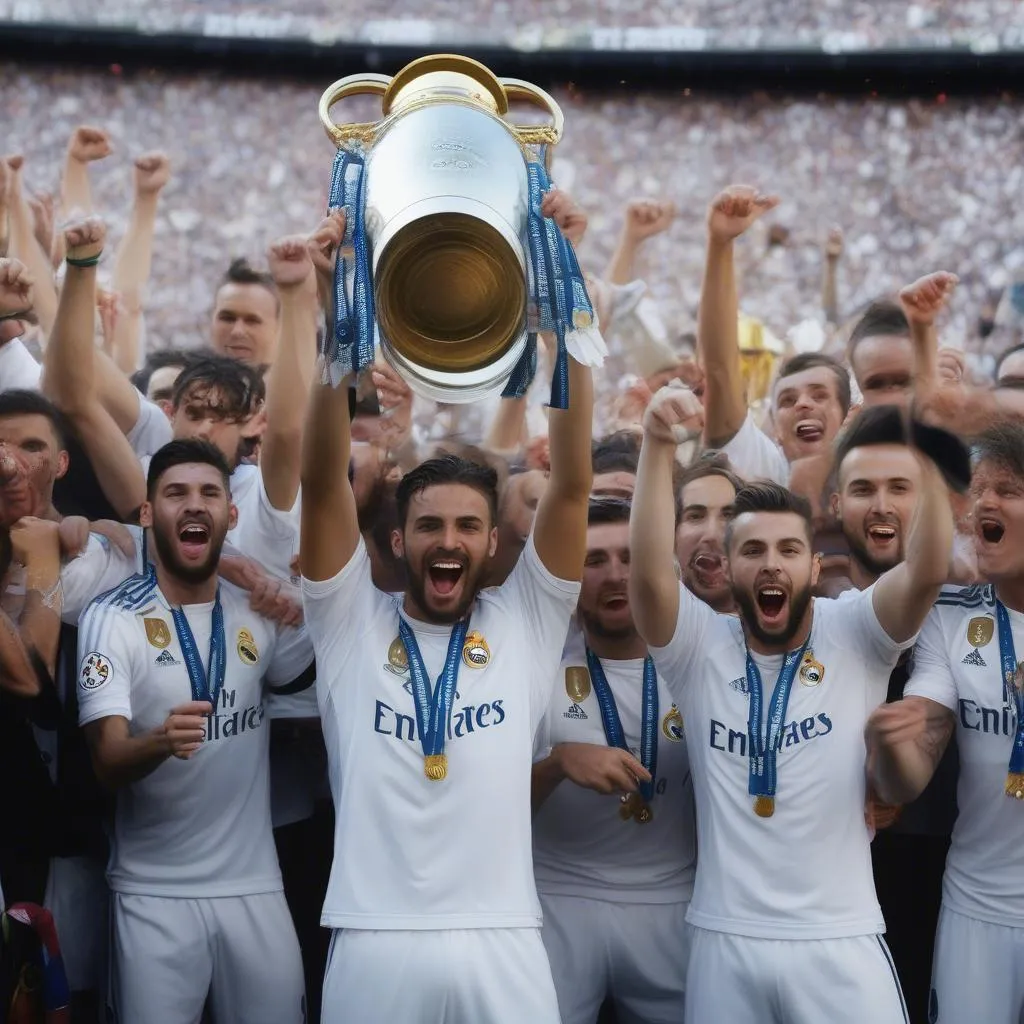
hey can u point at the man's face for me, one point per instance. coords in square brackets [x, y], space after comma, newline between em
[245, 324]
[190, 514]
[618, 483]
[998, 498]
[878, 488]
[807, 412]
[522, 496]
[447, 542]
[160, 389]
[204, 413]
[772, 571]
[604, 601]
[700, 539]
[884, 368]
[31, 460]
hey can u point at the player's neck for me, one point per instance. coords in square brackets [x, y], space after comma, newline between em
[179, 591]
[796, 641]
[1011, 593]
[616, 648]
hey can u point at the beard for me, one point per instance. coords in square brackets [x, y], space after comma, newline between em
[747, 604]
[860, 554]
[417, 585]
[183, 571]
[592, 624]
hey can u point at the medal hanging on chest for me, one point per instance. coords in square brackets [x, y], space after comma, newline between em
[763, 742]
[433, 704]
[635, 806]
[1013, 695]
[206, 681]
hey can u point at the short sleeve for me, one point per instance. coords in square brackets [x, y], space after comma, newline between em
[340, 611]
[99, 568]
[152, 429]
[290, 668]
[755, 456]
[105, 664]
[863, 632]
[546, 604]
[266, 534]
[932, 676]
[674, 662]
[18, 369]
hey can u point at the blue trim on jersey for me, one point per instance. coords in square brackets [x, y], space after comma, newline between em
[130, 593]
[976, 596]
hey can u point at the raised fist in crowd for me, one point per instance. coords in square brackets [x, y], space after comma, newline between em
[733, 210]
[152, 172]
[88, 144]
[646, 218]
[84, 237]
[15, 287]
[923, 300]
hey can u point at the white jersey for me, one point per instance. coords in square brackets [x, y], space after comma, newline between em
[201, 827]
[957, 664]
[581, 847]
[410, 853]
[152, 429]
[18, 367]
[100, 567]
[755, 456]
[804, 873]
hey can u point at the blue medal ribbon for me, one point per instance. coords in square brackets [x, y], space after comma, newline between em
[433, 705]
[1011, 694]
[207, 681]
[648, 717]
[763, 744]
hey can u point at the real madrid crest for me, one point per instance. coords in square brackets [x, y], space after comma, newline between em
[577, 683]
[157, 633]
[475, 652]
[672, 724]
[398, 659]
[980, 631]
[811, 672]
[246, 647]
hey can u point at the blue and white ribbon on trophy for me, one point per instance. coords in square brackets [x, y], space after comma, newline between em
[558, 300]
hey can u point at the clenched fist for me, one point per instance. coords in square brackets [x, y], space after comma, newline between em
[647, 217]
[289, 262]
[185, 728]
[88, 144]
[674, 415]
[733, 211]
[923, 300]
[84, 237]
[15, 287]
[152, 172]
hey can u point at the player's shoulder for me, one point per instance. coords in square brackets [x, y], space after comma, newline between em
[127, 599]
[954, 599]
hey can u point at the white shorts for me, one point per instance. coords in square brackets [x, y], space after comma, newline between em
[469, 976]
[977, 973]
[792, 981]
[169, 954]
[635, 953]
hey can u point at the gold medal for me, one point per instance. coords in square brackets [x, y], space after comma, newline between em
[1015, 785]
[764, 806]
[398, 659]
[475, 652]
[435, 767]
[577, 683]
[980, 630]
[642, 812]
[811, 672]
[626, 806]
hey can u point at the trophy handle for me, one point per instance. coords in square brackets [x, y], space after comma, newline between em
[352, 85]
[535, 134]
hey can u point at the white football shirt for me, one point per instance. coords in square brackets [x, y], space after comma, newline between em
[410, 853]
[804, 873]
[201, 827]
[755, 456]
[983, 868]
[100, 567]
[581, 847]
[152, 429]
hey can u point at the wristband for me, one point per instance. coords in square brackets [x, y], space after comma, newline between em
[89, 261]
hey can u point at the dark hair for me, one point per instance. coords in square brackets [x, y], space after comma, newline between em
[241, 387]
[878, 424]
[709, 463]
[161, 359]
[241, 271]
[1005, 355]
[810, 360]
[880, 318]
[23, 402]
[616, 453]
[184, 452]
[448, 469]
[1003, 444]
[607, 510]
[767, 496]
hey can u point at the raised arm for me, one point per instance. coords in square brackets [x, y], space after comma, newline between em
[24, 246]
[560, 526]
[69, 377]
[330, 522]
[644, 219]
[829, 282]
[86, 145]
[673, 417]
[135, 258]
[725, 402]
